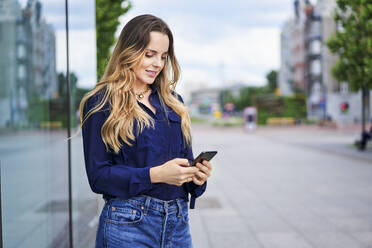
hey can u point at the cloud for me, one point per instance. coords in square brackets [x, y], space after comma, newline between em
[82, 55]
[252, 47]
[189, 74]
[242, 37]
[244, 56]
[214, 40]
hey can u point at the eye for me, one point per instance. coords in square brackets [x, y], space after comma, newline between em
[164, 58]
[148, 55]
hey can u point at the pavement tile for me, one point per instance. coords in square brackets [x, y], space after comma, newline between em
[236, 240]
[363, 237]
[333, 240]
[199, 233]
[307, 222]
[352, 224]
[271, 223]
[283, 240]
[285, 188]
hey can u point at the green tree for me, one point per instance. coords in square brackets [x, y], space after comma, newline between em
[107, 21]
[353, 44]
[226, 96]
[272, 80]
[62, 84]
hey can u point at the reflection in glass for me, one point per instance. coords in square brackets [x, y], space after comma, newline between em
[33, 150]
[82, 42]
[33, 122]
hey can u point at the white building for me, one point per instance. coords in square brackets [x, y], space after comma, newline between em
[291, 73]
[28, 61]
[307, 62]
[12, 102]
[285, 79]
[44, 80]
[335, 93]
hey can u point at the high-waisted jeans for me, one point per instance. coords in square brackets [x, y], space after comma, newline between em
[144, 221]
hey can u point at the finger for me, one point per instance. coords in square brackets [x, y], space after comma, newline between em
[197, 181]
[208, 164]
[201, 175]
[204, 169]
[190, 170]
[190, 174]
[182, 161]
[186, 177]
[187, 180]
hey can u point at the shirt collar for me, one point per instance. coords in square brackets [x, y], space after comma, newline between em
[154, 89]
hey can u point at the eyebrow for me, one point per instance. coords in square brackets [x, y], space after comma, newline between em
[155, 51]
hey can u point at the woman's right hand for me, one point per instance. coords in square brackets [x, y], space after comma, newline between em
[176, 172]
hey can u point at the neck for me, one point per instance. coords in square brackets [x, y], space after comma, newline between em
[141, 88]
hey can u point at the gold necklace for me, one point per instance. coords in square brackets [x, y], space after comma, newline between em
[141, 94]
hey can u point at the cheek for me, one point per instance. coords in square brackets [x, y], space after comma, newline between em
[146, 62]
[137, 70]
[142, 65]
[163, 64]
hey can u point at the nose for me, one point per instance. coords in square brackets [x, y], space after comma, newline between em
[158, 62]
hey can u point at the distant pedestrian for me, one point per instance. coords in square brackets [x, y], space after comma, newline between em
[137, 143]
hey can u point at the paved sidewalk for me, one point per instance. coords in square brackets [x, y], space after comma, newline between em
[284, 187]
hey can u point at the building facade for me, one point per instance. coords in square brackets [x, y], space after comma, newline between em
[285, 79]
[29, 67]
[291, 73]
[307, 62]
[11, 104]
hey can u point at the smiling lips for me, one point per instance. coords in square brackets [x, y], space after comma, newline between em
[151, 73]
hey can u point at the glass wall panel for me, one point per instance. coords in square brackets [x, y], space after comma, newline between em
[33, 121]
[82, 36]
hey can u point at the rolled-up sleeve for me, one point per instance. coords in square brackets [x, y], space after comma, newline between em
[104, 176]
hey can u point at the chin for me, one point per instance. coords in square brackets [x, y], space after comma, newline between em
[150, 81]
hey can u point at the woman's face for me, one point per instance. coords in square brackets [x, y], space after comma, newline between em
[153, 62]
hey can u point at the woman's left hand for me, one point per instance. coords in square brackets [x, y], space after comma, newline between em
[203, 174]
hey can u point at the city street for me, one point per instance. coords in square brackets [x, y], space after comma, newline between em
[34, 189]
[276, 187]
[284, 187]
[299, 69]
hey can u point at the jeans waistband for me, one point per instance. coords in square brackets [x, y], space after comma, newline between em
[147, 202]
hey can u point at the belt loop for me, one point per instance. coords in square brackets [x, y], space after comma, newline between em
[179, 208]
[108, 209]
[147, 204]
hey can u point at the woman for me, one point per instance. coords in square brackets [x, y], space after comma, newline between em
[137, 143]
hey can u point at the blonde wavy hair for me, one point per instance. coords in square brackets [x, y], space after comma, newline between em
[118, 80]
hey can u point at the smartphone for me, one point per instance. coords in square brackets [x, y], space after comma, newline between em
[206, 155]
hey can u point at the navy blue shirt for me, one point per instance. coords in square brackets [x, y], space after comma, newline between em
[127, 173]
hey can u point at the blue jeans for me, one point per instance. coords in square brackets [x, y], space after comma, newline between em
[144, 221]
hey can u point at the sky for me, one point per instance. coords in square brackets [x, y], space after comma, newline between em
[220, 43]
[217, 43]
